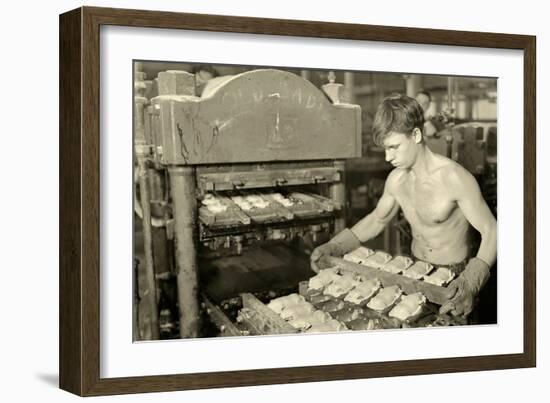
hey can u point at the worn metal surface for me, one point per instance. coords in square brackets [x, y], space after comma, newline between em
[182, 180]
[135, 302]
[175, 82]
[150, 294]
[260, 115]
[337, 192]
[262, 320]
[222, 322]
[267, 178]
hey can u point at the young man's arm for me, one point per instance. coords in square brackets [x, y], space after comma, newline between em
[368, 228]
[464, 289]
[476, 211]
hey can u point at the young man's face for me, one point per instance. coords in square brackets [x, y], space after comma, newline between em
[402, 149]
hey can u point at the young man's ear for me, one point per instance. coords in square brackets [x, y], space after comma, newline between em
[417, 135]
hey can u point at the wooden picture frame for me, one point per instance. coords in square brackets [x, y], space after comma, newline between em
[80, 199]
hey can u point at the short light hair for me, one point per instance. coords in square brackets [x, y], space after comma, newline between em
[397, 113]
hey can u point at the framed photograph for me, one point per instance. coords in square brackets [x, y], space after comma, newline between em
[250, 201]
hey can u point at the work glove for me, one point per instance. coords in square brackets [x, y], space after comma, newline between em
[338, 246]
[464, 289]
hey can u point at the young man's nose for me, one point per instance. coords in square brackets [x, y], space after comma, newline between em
[389, 156]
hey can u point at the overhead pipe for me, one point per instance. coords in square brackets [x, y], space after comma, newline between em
[349, 85]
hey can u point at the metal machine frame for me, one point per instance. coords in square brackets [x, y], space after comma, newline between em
[260, 129]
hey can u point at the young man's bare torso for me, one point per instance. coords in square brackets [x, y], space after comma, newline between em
[439, 228]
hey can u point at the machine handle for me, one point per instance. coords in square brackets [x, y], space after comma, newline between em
[319, 178]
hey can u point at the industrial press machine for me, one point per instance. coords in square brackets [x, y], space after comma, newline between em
[235, 188]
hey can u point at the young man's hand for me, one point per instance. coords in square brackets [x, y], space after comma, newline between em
[463, 290]
[338, 246]
[326, 249]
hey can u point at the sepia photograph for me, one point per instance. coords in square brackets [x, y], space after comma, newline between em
[271, 200]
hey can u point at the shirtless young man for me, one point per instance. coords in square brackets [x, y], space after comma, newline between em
[439, 198]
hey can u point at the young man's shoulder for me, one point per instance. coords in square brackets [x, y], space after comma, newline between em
[456, 176]
[449, 167]
[396, 178]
